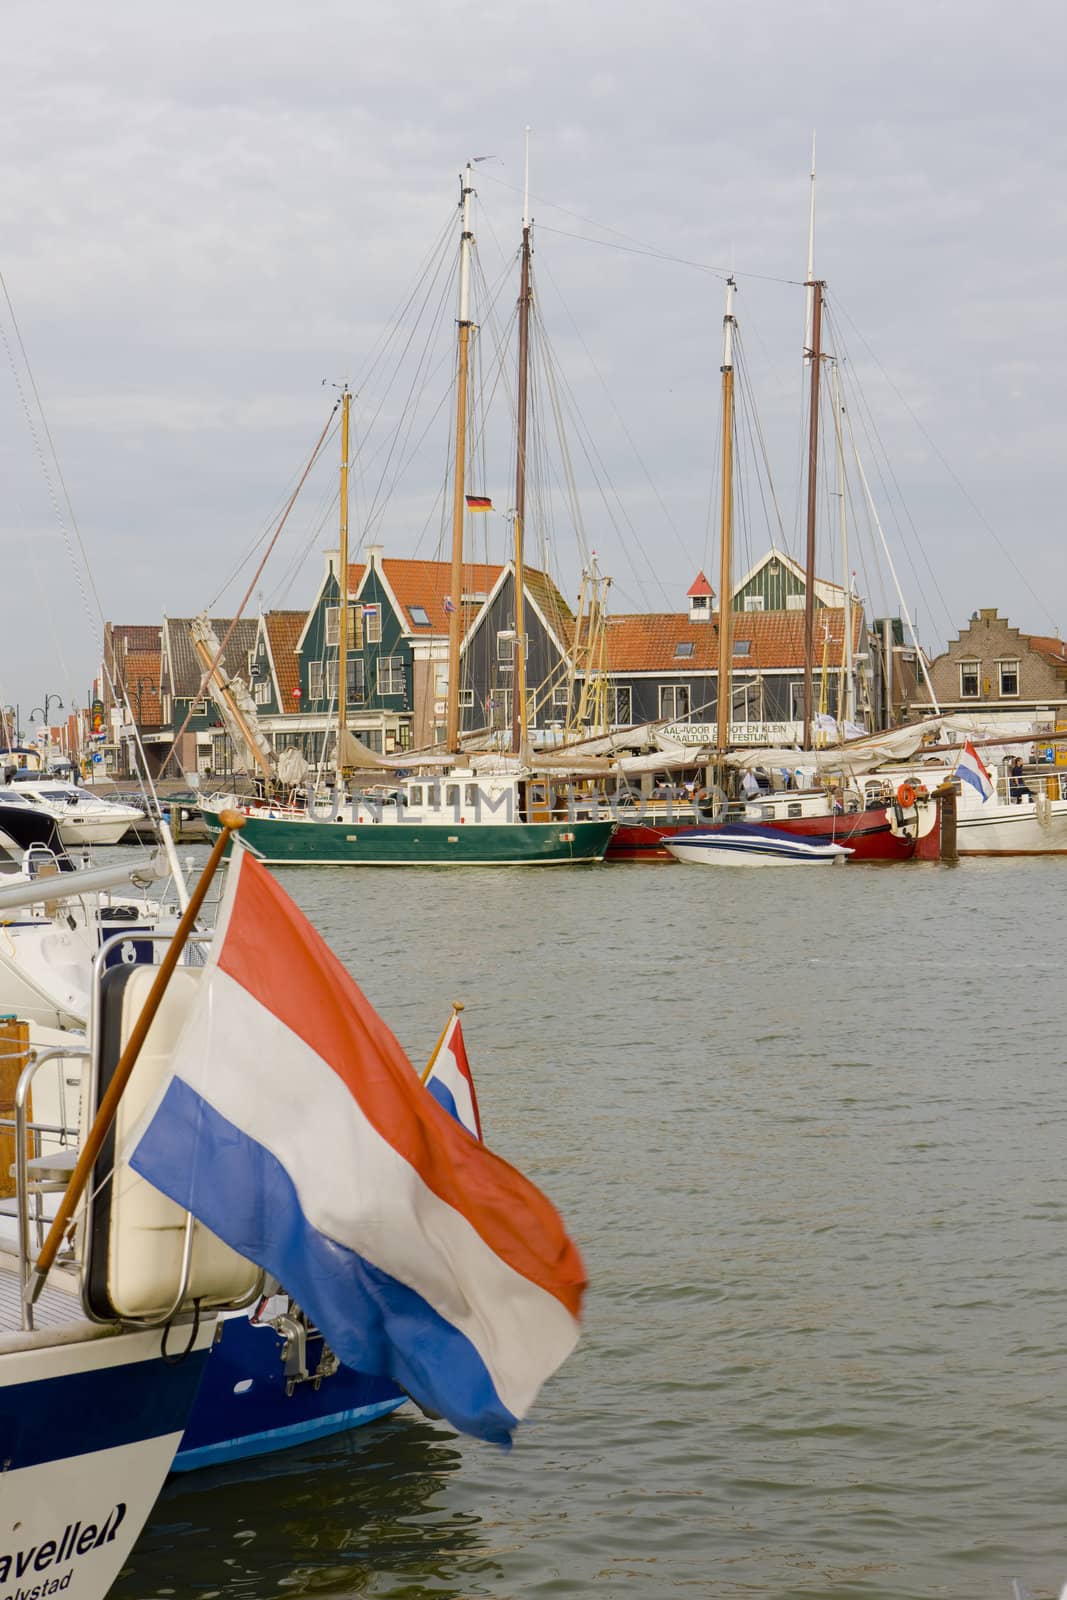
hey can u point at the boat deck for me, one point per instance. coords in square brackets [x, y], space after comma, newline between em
[57, 1306]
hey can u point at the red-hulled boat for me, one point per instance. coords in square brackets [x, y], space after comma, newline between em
[889, 831]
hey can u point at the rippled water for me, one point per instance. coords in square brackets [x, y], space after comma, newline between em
[809, 1131]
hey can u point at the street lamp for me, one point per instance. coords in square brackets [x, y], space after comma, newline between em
[42, 711]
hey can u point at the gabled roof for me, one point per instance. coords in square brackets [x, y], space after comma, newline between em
[831, 594]
[426, 583]
[700, 589]
[135, 635]
[186, 672]
[283, 629]
[647, 642]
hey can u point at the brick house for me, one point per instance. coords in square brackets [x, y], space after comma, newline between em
[994, 668]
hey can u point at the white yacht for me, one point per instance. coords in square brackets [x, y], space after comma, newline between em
[82, 818]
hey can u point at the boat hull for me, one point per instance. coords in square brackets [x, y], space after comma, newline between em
[246, 1407]
[753, 847]
[88, 1431]
[404, 844]
[1014, 830]
[871, 835]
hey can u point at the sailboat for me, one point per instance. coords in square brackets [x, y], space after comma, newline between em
[490, 814]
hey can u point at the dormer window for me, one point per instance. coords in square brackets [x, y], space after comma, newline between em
[420, 617]
[684, 648]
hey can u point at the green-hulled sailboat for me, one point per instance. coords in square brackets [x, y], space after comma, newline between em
[503, 812]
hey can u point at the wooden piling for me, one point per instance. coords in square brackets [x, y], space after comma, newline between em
[14, 1054]
[948, 797]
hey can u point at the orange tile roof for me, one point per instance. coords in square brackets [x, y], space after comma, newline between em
[425, 583]
[1053, 650]
[283, 633]
[648, 642]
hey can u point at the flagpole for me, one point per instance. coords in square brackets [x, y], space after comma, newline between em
[231, 821]
[457, 1007]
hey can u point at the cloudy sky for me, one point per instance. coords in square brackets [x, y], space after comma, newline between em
[210, 210]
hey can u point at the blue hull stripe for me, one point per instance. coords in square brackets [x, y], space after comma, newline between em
[81, 1412]
[271, 1439]
[373, 1322]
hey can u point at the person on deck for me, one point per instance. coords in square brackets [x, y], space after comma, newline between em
[1017, 789]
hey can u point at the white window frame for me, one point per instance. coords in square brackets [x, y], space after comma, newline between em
[755, 602]
[333, 626]
[1014, 664]
[372, 624]
[198, 708]
[620, 694]
[390, 669]
[671, 694]
[976, 667]
[794, 602]
[315, 678]
[466, 698]
[561, 696]
[261, 692]
[356, 681]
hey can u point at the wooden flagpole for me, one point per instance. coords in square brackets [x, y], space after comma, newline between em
[231, 821]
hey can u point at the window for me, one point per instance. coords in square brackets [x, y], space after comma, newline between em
[390, 674]
[742, 647]
[198, 708]
[470, 794]
[794, 602]
[561, 696]
[505, 647]
[314, 680]
[333, 625]
[261, 692]
[372, 624]
[356, 679]
[969, 684]
[331, 679]
[699, 602]
[754, 602]
[415, 795]
[1009, 677]
[419, 616]
[620, 705]
[355, 627]
[451, 794]
[466, 697]
[673, 701]
[684, 648]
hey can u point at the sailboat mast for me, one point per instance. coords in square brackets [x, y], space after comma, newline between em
[455, 616]
[518, 704]
[725, 689]
[846, 710]
[815, 354]
[342, 576]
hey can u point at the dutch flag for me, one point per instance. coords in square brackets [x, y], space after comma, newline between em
[449, 1079]
[970, 770]
[293, 1125]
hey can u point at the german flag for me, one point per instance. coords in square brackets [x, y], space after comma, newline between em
[479, 502]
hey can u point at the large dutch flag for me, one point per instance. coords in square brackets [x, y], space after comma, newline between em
[293, 1125]
[971, 770]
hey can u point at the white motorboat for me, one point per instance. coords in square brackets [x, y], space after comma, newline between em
[742, 844]
[82, 818]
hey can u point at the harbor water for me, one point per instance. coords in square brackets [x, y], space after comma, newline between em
[807, 1128]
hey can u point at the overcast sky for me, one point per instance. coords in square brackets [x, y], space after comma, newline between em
[209, 210]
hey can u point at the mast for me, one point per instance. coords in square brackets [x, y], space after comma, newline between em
[455, 615]
[518, 704]
[725, 689]
[815, 354]
[342, 631]
[846, 710]
[810, 284]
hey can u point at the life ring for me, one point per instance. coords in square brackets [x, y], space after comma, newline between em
[906, 796]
